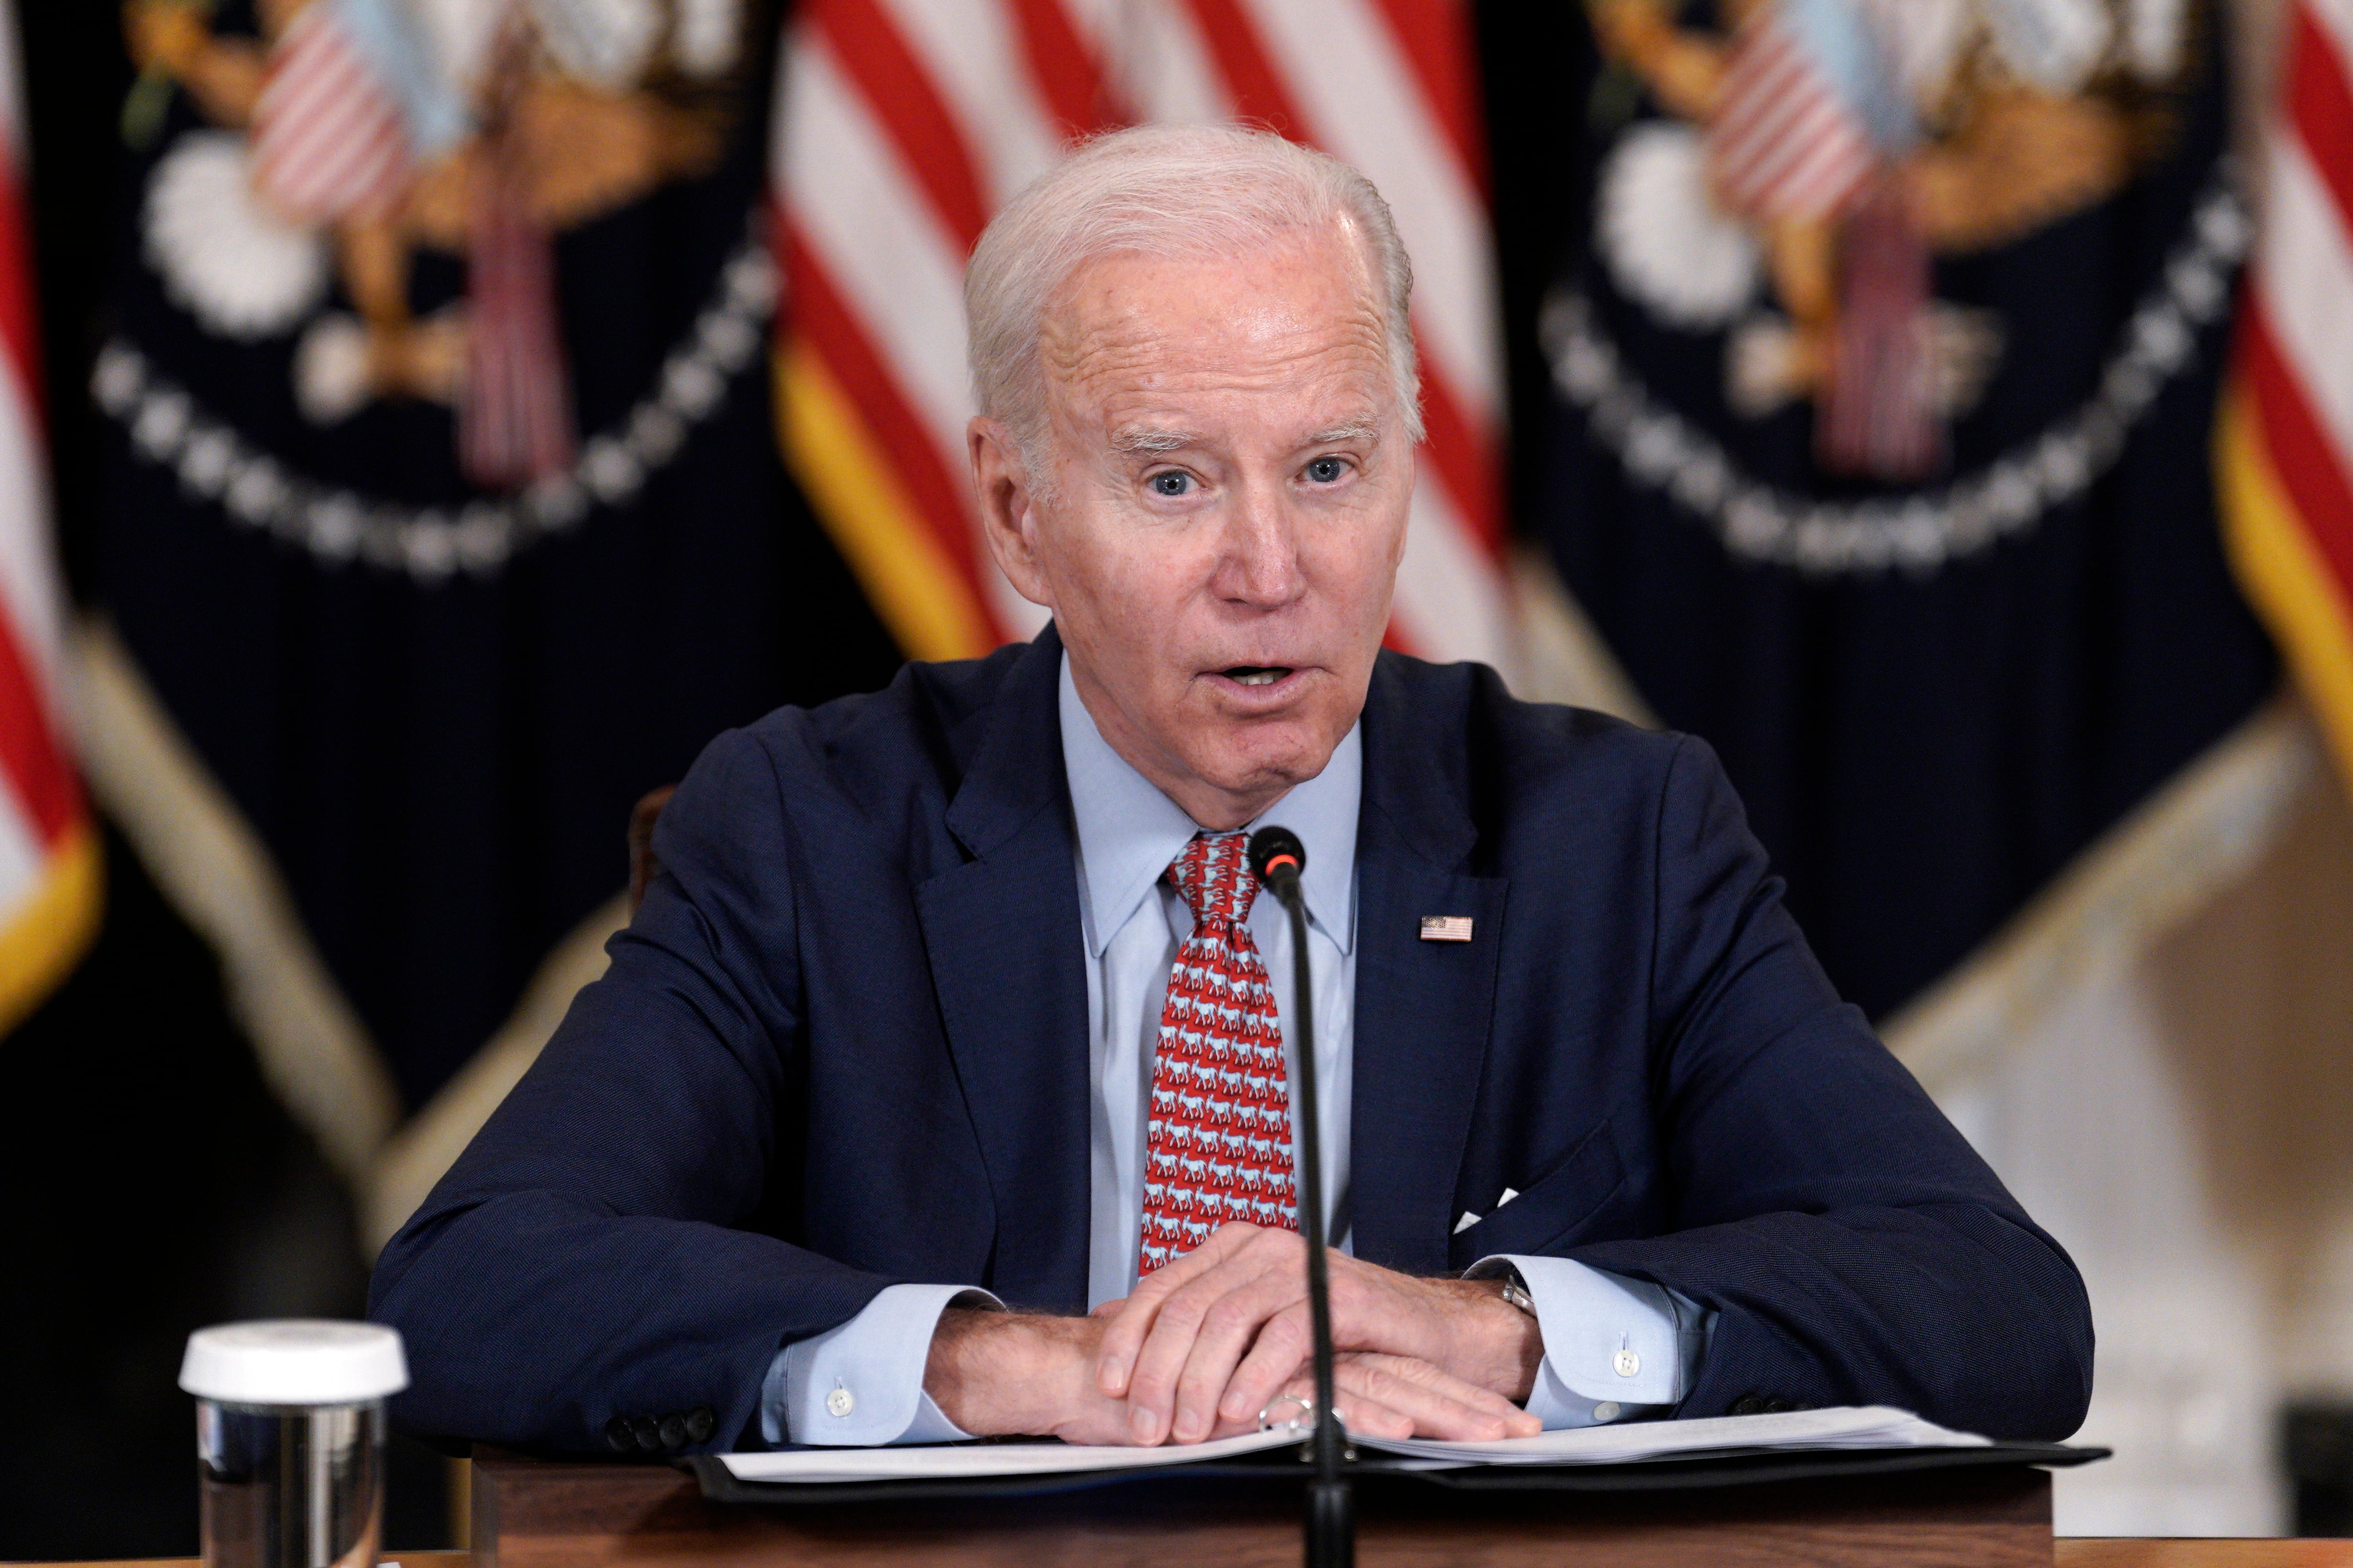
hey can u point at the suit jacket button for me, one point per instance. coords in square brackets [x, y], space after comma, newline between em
[648, 1432]
[617, 1436]
[673, 1431]
[1748, 1405]
[700, 1422]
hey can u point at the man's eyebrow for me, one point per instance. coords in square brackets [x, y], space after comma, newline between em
[1145, 440]
[1352, 430]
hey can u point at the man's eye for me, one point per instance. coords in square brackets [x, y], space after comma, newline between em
[1174, 482]
[1326, 471]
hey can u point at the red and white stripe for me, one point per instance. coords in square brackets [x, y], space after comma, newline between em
[903, 124]
[329, 140]
[2296, 340]
[41, 803]
[1780, 142]
[515, 411]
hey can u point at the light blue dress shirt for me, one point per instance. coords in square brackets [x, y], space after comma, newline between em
[1615, 1349]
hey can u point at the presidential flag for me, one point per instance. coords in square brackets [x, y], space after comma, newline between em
[1881, 370]
[441, 515]
[903, 124]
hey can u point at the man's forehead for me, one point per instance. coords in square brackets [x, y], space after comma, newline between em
[1145, 350]
[1294, 297]
[1345, 420]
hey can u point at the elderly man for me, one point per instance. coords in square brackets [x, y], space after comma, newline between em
[940, 1087]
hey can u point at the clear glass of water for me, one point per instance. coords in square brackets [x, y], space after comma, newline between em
[290, 1440]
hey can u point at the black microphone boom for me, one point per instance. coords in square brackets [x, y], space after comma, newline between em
[1277, 857]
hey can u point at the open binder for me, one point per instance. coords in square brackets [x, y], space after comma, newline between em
[1721, 1451]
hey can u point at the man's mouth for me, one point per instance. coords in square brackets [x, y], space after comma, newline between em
[1256, 674]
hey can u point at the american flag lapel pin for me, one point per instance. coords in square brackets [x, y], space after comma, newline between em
[1446, 927]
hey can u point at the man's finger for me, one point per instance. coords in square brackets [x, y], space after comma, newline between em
[1115, 1363]
[1462, 1390]
[1440, 1405]
[1360, 1412]
[1228, 1330]
[1176, 1326]
[1284, 1343]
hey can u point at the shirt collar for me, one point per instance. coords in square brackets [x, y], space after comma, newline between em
[1129, 831]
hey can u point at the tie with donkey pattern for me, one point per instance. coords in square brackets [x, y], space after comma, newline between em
[1217, 1143]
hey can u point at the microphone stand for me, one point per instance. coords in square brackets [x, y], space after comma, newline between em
[1331, 1522]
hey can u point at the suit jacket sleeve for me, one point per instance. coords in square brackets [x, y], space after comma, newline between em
[581, 1259]
[1855, 1248]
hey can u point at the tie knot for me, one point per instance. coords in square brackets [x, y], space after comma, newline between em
[1213, 873]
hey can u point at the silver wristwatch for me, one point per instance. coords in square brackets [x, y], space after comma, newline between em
[1515, 1291]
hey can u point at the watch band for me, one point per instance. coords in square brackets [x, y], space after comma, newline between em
[1517, 1293]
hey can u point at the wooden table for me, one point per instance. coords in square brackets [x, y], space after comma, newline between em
[2095, 1553]
[2084, 1553]
[528, 1513]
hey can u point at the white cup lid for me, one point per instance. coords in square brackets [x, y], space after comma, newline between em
[294, 1361]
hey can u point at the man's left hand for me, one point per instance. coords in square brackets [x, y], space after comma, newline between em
[1209, 1339]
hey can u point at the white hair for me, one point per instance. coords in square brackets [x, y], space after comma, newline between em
[1174, 191]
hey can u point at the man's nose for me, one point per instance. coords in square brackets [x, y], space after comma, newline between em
[1257, 563]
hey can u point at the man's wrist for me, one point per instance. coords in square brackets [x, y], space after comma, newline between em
[1003, 1373]
[1490, 1341]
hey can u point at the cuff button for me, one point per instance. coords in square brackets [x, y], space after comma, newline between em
[1606, 1411]
[673, 1431]
[648, 1432]
[841, 1402]
[617, 1436]
[1625, 1363]
[700, 1422]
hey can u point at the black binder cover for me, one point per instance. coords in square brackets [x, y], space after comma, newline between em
[1676, 1474]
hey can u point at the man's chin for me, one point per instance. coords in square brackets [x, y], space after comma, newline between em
[1257, 763]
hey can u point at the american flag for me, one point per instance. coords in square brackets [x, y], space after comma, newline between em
[49, 874]
[1781, 143]
[2285, 446]
[1784, 144]
[903, 124]
[329, 138]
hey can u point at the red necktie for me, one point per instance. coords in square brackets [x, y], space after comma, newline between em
[1218, 1143]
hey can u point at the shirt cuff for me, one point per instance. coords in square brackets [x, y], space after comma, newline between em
[861, 1385]
[1615, 1349]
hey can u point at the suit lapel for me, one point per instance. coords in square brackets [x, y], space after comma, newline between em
[1007, 963]
[1423, 1008]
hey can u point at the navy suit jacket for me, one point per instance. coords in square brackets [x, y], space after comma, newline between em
[844, 1045]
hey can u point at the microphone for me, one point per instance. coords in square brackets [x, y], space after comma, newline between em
[1277, 857]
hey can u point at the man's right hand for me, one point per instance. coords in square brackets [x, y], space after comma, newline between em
[1009, 1373]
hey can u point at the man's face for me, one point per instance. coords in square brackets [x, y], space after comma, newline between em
[1231, 481]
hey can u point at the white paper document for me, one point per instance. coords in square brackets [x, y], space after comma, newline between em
[1797, 1431]
[961, 1460]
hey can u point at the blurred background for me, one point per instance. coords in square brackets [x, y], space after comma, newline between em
[424, 423]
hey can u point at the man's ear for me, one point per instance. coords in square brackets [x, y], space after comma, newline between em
[1008, 514]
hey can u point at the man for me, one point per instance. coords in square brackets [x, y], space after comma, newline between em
[957, 999]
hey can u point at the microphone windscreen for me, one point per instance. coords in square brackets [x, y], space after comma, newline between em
[1276, 851]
